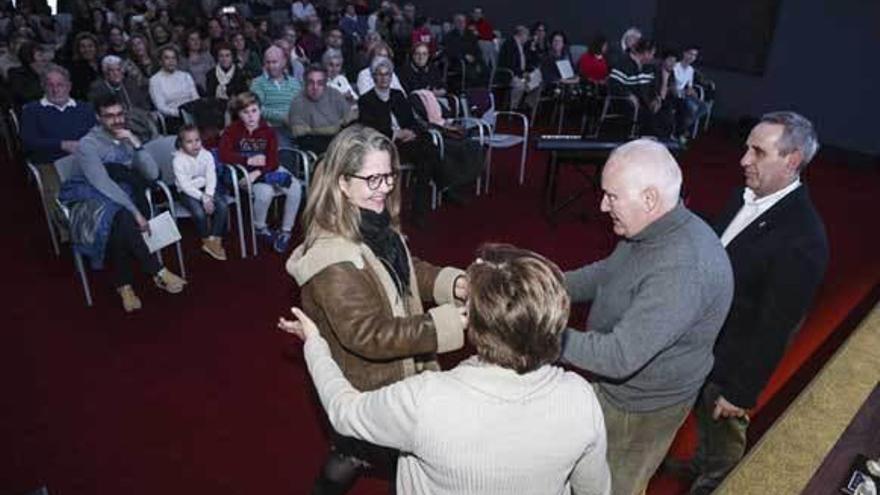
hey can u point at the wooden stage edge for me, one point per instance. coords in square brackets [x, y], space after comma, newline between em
[792, 450]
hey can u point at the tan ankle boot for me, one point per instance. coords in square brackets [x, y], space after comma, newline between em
[214, 247]
[130, 300]
[169, 282]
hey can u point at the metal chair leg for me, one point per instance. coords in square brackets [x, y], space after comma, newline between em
[53, 236]
[83, 278]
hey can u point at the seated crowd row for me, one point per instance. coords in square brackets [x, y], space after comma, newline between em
[288, 103]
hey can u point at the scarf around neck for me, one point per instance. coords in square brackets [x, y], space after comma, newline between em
[385, 242]
[223, 80]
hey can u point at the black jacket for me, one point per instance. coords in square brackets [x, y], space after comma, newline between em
[627, 78]
[376, 113]
[413, 77]
[778, 262]
[460, 44]
[508, 57]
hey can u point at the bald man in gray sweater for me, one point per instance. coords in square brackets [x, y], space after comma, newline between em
[659, 301]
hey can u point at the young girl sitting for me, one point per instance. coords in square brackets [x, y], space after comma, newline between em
[196, 177]
[249, 141]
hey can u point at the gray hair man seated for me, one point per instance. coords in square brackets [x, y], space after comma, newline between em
[135, 100]
[659, 301]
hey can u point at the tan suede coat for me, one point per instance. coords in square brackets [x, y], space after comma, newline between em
[376, 336]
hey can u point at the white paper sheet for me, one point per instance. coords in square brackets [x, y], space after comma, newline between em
[163, 232]
[566, 71]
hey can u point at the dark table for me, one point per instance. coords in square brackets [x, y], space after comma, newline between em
[588, 156]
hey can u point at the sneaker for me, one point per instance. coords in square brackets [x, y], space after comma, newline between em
[214, 247]
[169, 282]
[282, 242]
[130, 300]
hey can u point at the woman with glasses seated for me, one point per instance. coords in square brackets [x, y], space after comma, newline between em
[506, 420]
[364, 288]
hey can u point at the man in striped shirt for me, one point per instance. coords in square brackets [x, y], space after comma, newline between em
[276, 90]
[633, 77]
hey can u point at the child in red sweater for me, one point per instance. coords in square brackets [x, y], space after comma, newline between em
[249, 141]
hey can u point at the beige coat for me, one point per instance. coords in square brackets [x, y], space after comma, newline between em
[376, 336]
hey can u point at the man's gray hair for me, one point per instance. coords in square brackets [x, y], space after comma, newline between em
[649, 163]
[798, 134]
[110, 61]
[330, 55]
[521, 30]
[54, 69]
[380, 62]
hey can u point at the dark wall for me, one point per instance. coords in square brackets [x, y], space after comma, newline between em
[822, 61]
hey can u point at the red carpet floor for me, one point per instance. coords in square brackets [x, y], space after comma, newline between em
[198, 393]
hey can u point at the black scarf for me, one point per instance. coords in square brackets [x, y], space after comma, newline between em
[377, 233]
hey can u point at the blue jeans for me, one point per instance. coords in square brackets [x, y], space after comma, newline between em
[218, 219]
[689, 110]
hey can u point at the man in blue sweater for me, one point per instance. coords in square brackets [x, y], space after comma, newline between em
[50, 129]
[659, 301]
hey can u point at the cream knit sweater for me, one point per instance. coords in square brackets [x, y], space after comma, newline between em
[477, 428]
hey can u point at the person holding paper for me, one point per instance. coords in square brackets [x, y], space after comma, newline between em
[556, 65]
[110, 173]
[196, 179]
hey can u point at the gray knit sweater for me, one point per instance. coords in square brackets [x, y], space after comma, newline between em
[659, 301]
[98, 148]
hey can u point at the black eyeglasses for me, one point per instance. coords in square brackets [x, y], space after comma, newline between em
[375, 180]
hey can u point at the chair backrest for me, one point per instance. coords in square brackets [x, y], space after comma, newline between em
[13, 118]
[576, 52]
[162, 150]
[480, 103]
[64, 167]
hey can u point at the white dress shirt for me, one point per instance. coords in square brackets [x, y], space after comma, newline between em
[752, 208]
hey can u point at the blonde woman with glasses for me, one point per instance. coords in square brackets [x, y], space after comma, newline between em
[364, 288]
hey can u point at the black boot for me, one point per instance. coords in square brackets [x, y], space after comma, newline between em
[337, 476]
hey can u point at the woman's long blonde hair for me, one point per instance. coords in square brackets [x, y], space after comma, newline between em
[327, 209]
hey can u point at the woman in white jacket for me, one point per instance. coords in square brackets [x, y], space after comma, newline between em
[504, 421]
[196, 178]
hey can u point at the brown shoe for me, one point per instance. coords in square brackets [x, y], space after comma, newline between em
[169, 282]
[214, 247]
[130, 300]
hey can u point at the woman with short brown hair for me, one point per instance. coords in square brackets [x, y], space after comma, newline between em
[504, 421]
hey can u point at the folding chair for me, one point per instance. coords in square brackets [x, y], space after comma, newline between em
[480, 112]
[162, 151]
[286, 158]
[64, 168]
[609, 112]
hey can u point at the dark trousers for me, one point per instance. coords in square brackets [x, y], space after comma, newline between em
[217, 225]
[425, 157]
[348, 459]
[122, 174]
[126, 244]
[721, 443]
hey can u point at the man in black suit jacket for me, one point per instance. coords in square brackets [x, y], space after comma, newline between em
[779, 251]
